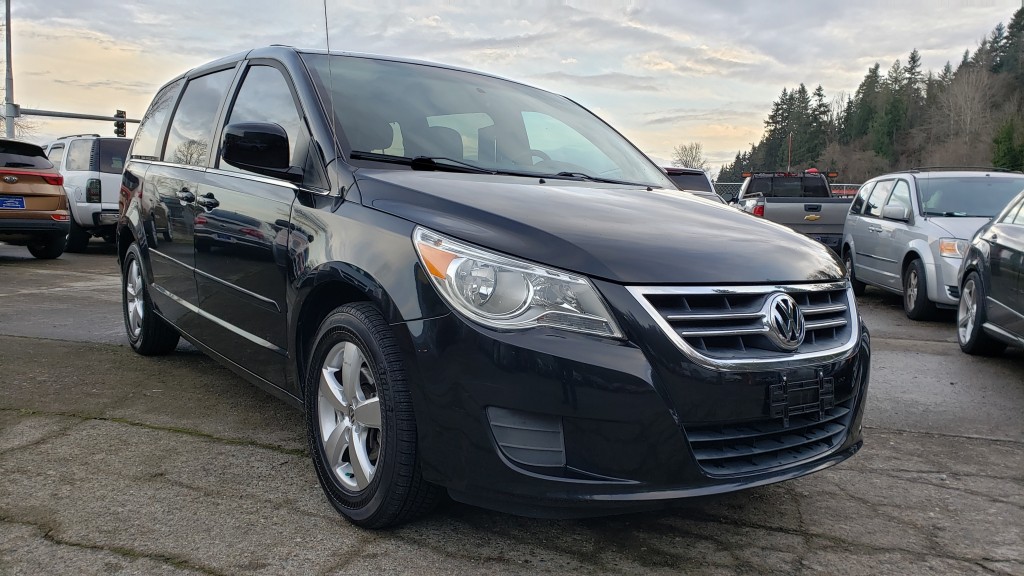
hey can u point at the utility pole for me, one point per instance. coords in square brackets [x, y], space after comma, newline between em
[9, 109]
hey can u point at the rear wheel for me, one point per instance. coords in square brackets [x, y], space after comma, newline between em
[48, 247]
[360, 424]
[858, 286]
[971, 314]
[915, 292]
[78, 238]
[149, 334]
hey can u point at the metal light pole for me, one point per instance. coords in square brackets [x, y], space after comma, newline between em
[9, 86]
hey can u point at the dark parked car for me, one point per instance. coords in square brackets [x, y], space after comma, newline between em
[694, 181]
[991, 312]
[475, 286]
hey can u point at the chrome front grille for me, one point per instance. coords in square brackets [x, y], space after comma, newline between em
[728, 327]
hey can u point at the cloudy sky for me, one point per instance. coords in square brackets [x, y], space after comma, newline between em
[662, 72]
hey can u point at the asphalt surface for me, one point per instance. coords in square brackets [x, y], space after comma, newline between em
[111, 463]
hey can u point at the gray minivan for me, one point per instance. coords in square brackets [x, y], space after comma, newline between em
[907, 232]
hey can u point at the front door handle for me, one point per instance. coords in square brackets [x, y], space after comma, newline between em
[185, 195]
[208, 201]
[874, 229]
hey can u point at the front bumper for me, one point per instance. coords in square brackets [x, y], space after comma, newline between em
[598, 426]
[944, 281]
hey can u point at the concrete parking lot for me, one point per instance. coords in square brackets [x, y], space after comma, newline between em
[117, 464]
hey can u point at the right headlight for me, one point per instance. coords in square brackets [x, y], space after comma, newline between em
[502, 292]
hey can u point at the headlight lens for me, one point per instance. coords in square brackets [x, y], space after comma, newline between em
[505, 293]
[952, 247]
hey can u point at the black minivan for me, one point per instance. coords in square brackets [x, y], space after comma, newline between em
[474, 286]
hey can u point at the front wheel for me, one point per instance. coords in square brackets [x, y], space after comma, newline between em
[149, 334]
[359, 421]
[970, 316]
[915, 293]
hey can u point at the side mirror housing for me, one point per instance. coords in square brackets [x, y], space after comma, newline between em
[901, 213]
[260, 147]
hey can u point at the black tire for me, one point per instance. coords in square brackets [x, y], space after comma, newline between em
[48, 247]
[971, 314]
[78, 238]
[915, 292]
[392, 489]
[148, 333]
[858, 286]
[167, 234]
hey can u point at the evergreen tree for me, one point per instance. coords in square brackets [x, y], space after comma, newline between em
[1007, 154]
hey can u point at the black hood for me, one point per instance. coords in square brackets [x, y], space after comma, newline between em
[618, 233]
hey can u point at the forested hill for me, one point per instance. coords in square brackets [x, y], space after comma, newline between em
[970, 114]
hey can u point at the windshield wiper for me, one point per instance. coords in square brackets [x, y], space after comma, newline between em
[422, 162]
[432, 163]
[589, 178]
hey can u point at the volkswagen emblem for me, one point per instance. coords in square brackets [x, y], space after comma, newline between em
[785, 322]
[11, 179]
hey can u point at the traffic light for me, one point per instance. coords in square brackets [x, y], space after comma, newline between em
[120, 125]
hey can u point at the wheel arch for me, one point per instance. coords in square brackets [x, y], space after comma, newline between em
[332, 285]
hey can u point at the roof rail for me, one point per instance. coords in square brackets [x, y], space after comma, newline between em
[957, 168]
[77, 136]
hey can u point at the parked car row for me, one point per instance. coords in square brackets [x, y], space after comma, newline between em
[944, 238]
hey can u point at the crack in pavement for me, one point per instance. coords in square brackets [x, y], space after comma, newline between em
[49, 534]
[159, 428]
[946, 435]
[925, 482]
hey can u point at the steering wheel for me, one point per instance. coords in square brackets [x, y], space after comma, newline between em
[544, 157]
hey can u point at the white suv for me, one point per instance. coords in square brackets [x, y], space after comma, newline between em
[92, 167]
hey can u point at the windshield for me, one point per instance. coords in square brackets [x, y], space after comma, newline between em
[966, 196]
[404, 110]
[698, 182]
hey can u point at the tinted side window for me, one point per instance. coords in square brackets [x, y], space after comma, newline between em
[79, 155]
[188, 139]
[147, 137]
[873, 205]
[858, 202]
[112, 155]
[265, 97]
[900, 195]
[56, 154]
[697, 182]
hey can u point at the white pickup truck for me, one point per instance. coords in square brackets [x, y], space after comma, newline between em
[802, 201]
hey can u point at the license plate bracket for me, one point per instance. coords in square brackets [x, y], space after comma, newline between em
[12, 202]
[794, 398]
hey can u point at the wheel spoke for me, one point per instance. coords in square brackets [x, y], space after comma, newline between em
[362, 468]
[330, 390]
[335, 445]
[368, 413]
[351, 369]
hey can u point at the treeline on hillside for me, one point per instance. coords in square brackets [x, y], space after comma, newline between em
[968, 115]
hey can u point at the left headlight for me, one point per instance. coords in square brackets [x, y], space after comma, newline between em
[953, 247]
[502, 292]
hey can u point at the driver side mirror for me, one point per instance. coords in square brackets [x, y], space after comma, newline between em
[900, 213]
[260, 147]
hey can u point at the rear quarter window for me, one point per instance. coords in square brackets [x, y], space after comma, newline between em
[79, 156]
[148, 141]
[23, 155]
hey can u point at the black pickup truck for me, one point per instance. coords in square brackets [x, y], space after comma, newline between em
[802, 201]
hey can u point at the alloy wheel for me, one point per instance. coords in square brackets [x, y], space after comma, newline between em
[133, 300]
[350, 416]
[967, 312]
[912, 289]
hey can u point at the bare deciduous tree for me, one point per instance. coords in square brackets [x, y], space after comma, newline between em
[191, 152]
[690, 156]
